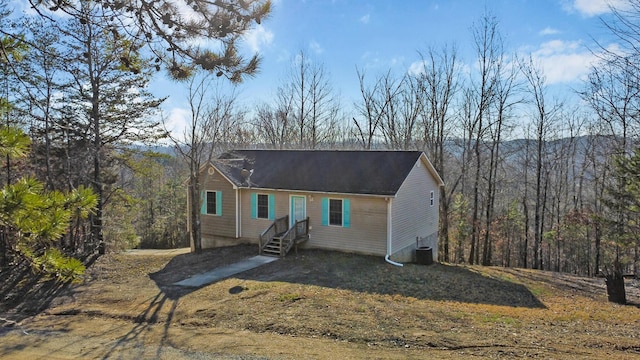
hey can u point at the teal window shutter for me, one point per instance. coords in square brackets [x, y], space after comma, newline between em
[272, 207]
[325, 211]
[346, 213]
[203, 201]
[219, 203]
[254, 205]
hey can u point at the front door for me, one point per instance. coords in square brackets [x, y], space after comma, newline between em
[298, 209]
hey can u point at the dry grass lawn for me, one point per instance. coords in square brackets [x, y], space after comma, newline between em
[326, 305]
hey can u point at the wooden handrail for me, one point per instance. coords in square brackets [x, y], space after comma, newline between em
[278, 226]
[289, 238]
[286, 237]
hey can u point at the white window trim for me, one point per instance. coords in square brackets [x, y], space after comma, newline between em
[341, 212]
[432, 198]
[258, 206]
[215, 196]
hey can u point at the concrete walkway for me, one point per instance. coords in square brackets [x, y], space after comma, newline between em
[220, 273]
[158, 252]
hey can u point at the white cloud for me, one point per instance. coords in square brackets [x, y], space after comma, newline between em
[564, 61]
[557, 46]
[365, 19]
[420, 67]
[176, 122]
[315, 47]
[373, 60]
[548, 31]
[596, 7]
[258, 37]
[416, 68]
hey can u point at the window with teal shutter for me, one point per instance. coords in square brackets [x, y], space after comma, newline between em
[219, 203]
[203, 202]
[211, 202]
[325, 211]
[336, 212]
[272, 207]
[254, 205]
[346, 208]
[263, 206]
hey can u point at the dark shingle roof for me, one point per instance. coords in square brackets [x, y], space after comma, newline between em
[349, 172]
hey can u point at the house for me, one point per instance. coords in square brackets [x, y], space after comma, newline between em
[368, 202]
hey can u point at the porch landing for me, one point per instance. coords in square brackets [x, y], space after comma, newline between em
[223, 272]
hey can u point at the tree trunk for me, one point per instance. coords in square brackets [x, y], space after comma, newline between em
[444, 225]
[194, 213]
[615, 288]
[3, 248]
[523, 258]
[475, 236]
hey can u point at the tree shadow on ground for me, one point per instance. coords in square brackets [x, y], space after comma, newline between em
[368, 274]
[26, 293]
[371, 274]
[161, 308]
[591, 287]
[153, 314]
[183, 266]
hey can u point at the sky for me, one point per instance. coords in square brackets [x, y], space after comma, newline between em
[375, 36]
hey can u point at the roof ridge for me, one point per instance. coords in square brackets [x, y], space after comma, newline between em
[328, 150]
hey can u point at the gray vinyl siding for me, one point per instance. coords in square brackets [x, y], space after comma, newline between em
[367, 233]
[251, 228]
[412, 214]
[214, 225]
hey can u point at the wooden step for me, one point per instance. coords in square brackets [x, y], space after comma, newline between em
[271, 253]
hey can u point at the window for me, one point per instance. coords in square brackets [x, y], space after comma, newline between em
[431, 198]
[263, 206]
[335, 212]
[211, 203]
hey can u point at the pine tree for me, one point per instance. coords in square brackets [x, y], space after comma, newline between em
[622, 200]
[32, 219]
[108, 104]
[173, 31]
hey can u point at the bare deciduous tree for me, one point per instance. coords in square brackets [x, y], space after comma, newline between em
[309, 99]
[212, 115]
[543, 120]
[439, 79]
[370, 112]
[488, 46]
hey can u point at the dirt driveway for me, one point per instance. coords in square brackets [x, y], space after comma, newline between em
[323, 305]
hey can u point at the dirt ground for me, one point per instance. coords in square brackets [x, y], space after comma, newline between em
[322, 305]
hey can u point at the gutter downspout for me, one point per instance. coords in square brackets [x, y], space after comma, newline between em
[238, 217]
[390, 233]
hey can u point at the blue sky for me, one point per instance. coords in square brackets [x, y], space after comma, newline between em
[378, 35]
[381, 35]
